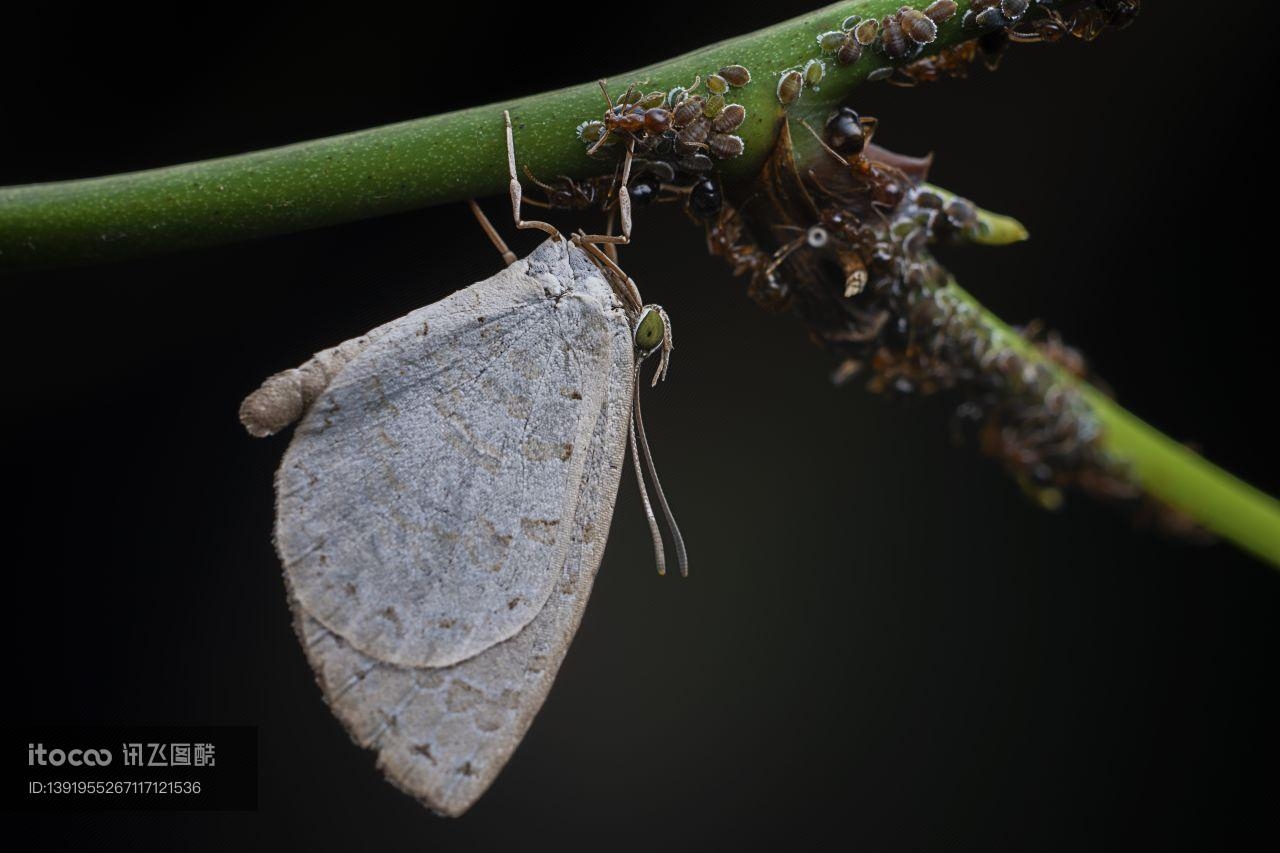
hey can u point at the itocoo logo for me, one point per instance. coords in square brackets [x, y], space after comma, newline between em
[37, 754]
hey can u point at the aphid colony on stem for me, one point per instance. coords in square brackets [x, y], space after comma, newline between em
[1086, 21]
[902, 36]
[679, 122]
[838, 230]
[898, 36]
[671, 141]
[986, 14]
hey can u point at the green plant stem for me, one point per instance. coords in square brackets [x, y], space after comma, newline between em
[398, 167]
[996, 228]
[460, 155]
[1165, 469]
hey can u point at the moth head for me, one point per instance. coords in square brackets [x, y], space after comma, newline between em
[652, 333]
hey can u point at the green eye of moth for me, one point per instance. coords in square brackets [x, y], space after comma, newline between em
[649, 331]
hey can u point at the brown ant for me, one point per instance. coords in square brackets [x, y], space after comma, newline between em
[564, 193]
[633, 116]
[1086, 23]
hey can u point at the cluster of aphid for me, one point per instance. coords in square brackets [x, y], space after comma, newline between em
[652, 180]
[677, 124]
[899, 36]
[673, 139]
[846, 240]
[869, 216]
[988, 14]
[1040, 427]
[792, 82]
[1011, 22]
[848, 236]
[1086, 22]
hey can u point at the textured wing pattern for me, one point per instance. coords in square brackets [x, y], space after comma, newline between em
[442, 512]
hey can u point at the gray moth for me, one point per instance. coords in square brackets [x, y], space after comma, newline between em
[443, 506]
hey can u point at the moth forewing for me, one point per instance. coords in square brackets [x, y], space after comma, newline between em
[442, 511]
[443, 506]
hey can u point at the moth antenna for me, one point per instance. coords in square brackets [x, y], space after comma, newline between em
[658, 554]
[637, 426]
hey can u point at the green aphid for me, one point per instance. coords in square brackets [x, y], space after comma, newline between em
[830, 42]
[814, 71]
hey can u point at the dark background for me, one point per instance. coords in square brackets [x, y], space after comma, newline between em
[881, 638]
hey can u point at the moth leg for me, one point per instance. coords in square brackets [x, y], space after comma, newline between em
[621, 283]
[286, 396]
[610, 249]
[515, 187]
[508, 256]
[624, 205]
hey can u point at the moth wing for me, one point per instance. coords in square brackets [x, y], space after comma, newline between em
[423, 504]
[443, 732]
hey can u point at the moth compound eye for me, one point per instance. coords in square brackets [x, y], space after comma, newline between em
[649, 332]
[817, 236]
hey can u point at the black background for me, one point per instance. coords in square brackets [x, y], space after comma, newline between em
[881, 638]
